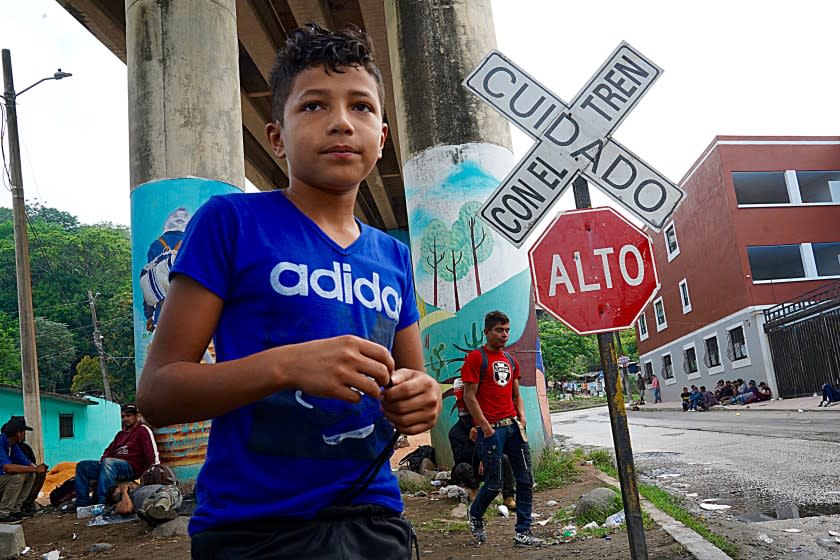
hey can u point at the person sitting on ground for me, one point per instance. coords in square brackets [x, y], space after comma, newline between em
[719, 389]
[29, 507]
[17, 472]
[707, 398]
[748, 396]
[686, 397]
[468, 471]
[694, 398]
[830, 395]
[764, 392]
[131, 453]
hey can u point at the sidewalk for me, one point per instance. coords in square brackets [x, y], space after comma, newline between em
[803, 404]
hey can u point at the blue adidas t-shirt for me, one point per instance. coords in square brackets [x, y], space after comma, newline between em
[284, 281]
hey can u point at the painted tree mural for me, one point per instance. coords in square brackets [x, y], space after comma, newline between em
[474, 236]
[433, 246]
[455, 266]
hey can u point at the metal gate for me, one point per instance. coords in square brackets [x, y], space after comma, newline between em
[804, 337]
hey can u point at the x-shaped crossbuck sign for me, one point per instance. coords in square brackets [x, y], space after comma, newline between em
[572, 139]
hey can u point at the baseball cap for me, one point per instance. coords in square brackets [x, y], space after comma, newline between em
[129, 409]
[15, 424]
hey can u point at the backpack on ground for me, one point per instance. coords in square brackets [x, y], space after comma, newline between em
[413, 459]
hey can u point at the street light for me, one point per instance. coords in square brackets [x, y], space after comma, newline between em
[28, 354]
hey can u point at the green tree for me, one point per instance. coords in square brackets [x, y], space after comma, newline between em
[474, 236]
[9, 350]
[89, 376]
[56, 353]
[564, 351]
[433, 247]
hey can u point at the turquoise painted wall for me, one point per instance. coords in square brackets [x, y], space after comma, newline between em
[94, 425]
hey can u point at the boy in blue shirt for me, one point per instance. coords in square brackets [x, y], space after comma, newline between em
[17, 472]
[315, 328]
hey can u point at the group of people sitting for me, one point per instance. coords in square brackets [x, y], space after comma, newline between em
[110, 481]
[726, 392]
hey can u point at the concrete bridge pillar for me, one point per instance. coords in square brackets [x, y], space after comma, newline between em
[455, 152]
[185, 141]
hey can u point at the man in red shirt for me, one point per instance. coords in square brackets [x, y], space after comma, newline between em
[131, 453]
[491, 392]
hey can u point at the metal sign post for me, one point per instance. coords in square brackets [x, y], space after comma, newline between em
[618, 421]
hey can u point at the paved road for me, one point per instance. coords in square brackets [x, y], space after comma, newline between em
[752, 461]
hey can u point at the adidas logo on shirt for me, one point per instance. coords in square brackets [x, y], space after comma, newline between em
[291, 279]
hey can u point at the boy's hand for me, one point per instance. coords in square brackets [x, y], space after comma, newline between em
[334, 367]
[412, 403]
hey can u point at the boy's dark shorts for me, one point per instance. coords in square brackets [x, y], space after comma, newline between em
[339, 533]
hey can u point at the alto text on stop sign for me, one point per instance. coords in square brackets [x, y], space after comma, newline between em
[593, 270]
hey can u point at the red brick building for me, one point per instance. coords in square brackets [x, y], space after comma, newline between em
[760, 225]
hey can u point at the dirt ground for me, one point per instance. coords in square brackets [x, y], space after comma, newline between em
[72, 538]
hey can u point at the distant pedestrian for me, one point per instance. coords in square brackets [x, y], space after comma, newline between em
[657, 393]
[640, 386]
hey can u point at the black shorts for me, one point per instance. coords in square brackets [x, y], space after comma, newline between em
[338, 533]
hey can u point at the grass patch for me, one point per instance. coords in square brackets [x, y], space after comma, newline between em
[598, 515]
[667, 503]
[554, 469]
[671, 505]
[580, 403]
[447, 526]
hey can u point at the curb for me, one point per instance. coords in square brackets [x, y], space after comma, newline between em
[699, 547]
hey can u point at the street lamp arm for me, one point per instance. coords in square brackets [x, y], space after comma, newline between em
[57, 76]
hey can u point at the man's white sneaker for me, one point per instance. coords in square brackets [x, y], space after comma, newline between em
[478, 530]
[527, 539]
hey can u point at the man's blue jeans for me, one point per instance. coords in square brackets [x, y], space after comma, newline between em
[506, 440]
[106, 473]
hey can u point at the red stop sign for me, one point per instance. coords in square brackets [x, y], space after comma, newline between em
[593, 270]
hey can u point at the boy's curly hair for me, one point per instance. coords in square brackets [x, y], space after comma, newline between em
[312, 45]
[495, 318]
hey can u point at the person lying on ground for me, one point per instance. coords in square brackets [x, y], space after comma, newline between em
[153, 503]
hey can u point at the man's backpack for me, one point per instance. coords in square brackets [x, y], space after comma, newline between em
[158, 474]
[64, 492]
[413, 459]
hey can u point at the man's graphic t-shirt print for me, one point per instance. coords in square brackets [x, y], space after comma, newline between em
[501, 373]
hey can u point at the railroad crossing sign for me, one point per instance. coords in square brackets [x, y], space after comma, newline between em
[572, 139]
[593, 270]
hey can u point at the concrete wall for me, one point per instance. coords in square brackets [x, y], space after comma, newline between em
[94, 425]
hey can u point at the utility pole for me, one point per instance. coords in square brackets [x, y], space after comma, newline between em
[28, 353]
[97, 341]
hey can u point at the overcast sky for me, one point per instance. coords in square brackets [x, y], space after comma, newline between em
[746, 67]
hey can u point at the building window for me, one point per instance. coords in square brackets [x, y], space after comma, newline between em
[736, 348]
[775, 262]
[643, 332]
[827, 258]
[712, 355]
[690, 360]
[819, 186]
[672, 247]
[65, 426]
[648, 370]
[667, 367]
[760, 187]
[686, 301]
[659, 310]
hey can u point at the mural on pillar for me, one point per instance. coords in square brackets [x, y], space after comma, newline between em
[463, 269]
[160, 212]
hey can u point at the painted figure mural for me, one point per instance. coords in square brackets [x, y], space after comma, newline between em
[463, 269]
